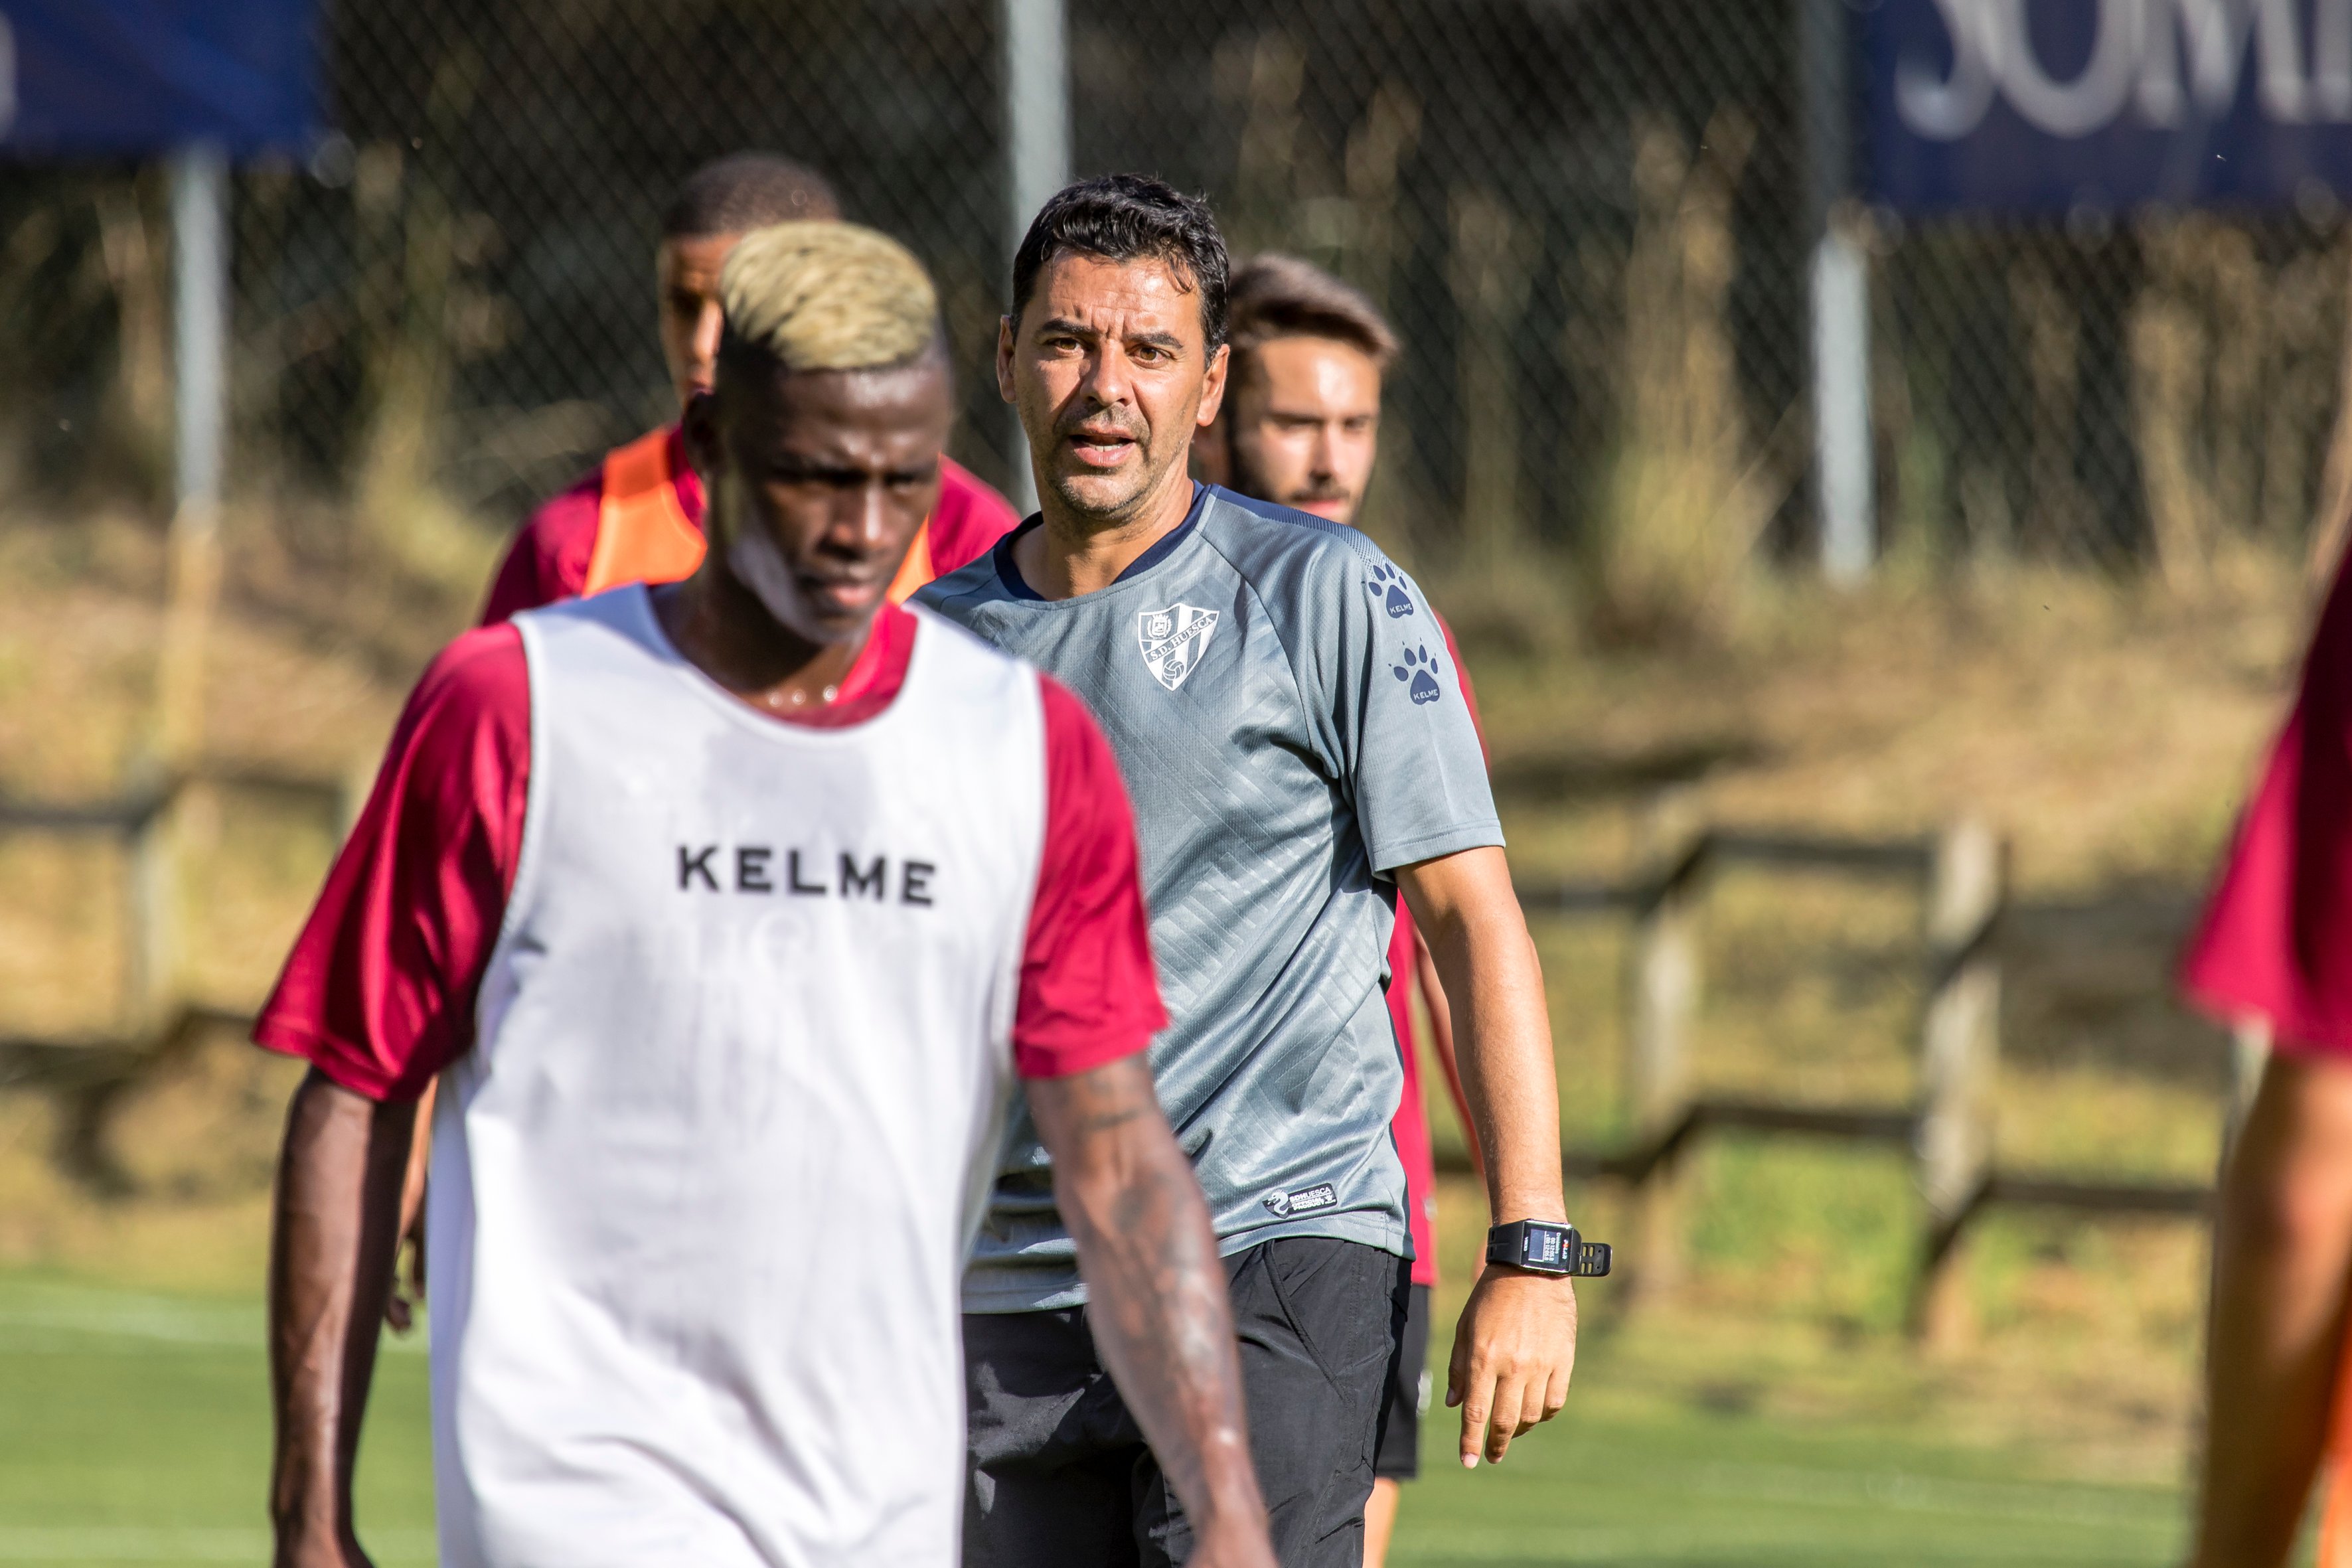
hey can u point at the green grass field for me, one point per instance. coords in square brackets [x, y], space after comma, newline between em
[133, 1429]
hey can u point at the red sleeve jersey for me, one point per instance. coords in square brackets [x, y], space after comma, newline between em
[968, 520]
[549, 559]
[1411, 1128]
[379, 993]
[2277, 938]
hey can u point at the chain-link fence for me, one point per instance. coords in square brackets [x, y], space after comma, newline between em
[2147, 392]
[1587, 217]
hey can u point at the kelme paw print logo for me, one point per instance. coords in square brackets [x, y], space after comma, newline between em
[1386, 586]
[1421, 669]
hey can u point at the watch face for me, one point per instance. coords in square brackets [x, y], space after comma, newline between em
[1543, 1247]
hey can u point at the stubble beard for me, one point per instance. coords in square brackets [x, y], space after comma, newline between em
[1250, 481]
[1086, 503]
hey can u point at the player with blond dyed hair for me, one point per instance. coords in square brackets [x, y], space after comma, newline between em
[726, 915]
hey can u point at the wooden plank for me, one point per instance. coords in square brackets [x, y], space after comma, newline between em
[1861, 1123]
[135, 807]
[1959, 1049]
[1663, 989]
[1579, 898]
[2177, 1198]
[51, 1064]
[305, 789]
[1826, 852]
[36, 1061]
[124, 814]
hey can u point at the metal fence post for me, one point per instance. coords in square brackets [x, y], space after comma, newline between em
[1662, 995]
[1839, 296]
[1037, 151]
[1960, 1047]
[200, 306]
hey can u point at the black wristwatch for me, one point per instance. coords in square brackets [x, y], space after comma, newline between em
[1546, 1246]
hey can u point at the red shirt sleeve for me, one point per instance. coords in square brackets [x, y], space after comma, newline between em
[968, 520]
[1089, 993]
[1410, 1126]
[549, 559]
[2277, 938]
[683, 478]
[378, 991]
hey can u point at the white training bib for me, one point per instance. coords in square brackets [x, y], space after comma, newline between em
[703, 1189]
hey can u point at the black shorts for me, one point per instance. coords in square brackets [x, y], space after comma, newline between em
[1058, 1470]
[1398, 1457]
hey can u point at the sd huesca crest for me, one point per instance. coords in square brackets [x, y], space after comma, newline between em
[1174, 640]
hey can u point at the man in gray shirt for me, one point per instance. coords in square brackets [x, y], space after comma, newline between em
[1298, 752]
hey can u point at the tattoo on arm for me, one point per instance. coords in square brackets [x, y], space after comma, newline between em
[1155, 1279]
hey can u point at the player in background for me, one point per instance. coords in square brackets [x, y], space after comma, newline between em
[638, 517]
[1301, 427]
[727, 911]
[2276, 946]
[1291, 732]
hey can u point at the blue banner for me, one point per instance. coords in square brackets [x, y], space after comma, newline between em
[2053, 105]
[137, 76]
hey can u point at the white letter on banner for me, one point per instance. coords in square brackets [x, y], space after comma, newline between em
[2331, 61]
[1947, 109]
[2217, 32]
[2093, 100]
[2286, 95]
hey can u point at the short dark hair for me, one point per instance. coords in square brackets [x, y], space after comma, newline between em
[1276, 296]
[1123, 217]
[745, 191]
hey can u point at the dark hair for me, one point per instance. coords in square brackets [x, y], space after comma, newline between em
[1276, 296]
[1122, 218]
[745, 191]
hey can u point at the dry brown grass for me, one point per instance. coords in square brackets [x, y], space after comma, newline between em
[2108, 730]
[314, 650]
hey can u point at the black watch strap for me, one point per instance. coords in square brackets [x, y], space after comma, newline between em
[1546, 1246]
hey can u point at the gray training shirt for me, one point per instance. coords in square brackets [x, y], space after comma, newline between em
[1290, 730]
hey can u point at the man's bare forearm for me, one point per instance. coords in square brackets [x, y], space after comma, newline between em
[1501, 1032]
[1155, 1283]
[332, 1243]
[2284, 1248]
[1515, 1349]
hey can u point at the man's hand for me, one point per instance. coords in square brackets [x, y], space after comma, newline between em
[408, 1284]
[1515, 1345]
[1512, 1355]
[1157, 1293]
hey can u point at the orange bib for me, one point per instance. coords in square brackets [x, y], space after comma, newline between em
[643, 535]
